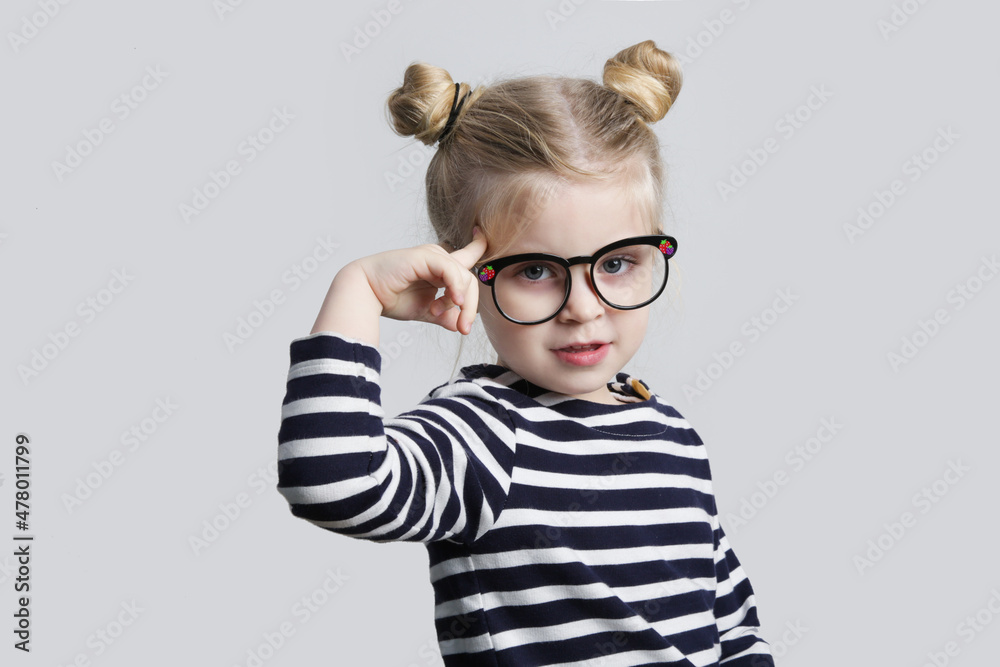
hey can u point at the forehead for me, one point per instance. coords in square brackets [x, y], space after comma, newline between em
[577, 219]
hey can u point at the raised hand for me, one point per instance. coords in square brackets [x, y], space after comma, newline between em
[402, 285]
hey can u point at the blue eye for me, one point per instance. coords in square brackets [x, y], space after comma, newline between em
[533, 272]
[617, 265]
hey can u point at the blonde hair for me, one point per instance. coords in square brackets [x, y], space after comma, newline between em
[515, 142]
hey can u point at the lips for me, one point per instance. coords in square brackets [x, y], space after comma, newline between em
[582, 347]
[583, 353]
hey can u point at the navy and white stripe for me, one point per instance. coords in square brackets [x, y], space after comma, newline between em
[559, 531]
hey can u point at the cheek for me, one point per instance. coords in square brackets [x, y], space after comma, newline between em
[493, 322]
[633, 323]
[485, 294]
[485, 307]
[507, 338]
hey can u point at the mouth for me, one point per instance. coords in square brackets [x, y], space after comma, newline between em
[583, 354]
[581, 347]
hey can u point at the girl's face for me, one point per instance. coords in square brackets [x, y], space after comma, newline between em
[577, 220]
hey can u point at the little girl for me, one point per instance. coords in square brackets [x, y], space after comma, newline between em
[567, 510]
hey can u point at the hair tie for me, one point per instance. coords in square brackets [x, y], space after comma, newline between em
[456, 107]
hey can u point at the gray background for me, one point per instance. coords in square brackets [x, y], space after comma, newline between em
[325, 176]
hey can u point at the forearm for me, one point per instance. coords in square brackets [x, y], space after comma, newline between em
[341, 467]
[350, 308]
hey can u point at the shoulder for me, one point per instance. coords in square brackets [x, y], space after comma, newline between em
[476, 383]
[488, 382]
[474, 397]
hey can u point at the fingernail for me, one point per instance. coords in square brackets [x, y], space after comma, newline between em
[476, 232]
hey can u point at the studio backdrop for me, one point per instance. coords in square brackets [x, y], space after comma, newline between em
[182, 181]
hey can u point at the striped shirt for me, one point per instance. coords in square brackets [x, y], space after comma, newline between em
[559, 531]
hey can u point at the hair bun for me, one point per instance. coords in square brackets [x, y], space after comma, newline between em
[421, 106]
[645, 76]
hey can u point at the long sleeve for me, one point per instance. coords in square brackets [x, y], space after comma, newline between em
[441, 471]
[736, 610]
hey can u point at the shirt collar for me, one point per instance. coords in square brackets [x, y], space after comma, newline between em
[624, 387]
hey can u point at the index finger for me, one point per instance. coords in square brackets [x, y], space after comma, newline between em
[469, 254]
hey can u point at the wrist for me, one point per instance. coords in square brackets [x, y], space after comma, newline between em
[351, 308]
[351, 287]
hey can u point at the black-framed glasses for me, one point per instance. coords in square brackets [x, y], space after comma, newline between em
[531, 288]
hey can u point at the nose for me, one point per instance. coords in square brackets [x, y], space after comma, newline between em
[583, 303]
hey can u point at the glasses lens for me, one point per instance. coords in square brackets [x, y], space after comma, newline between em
[530, 291]
[630, 276]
